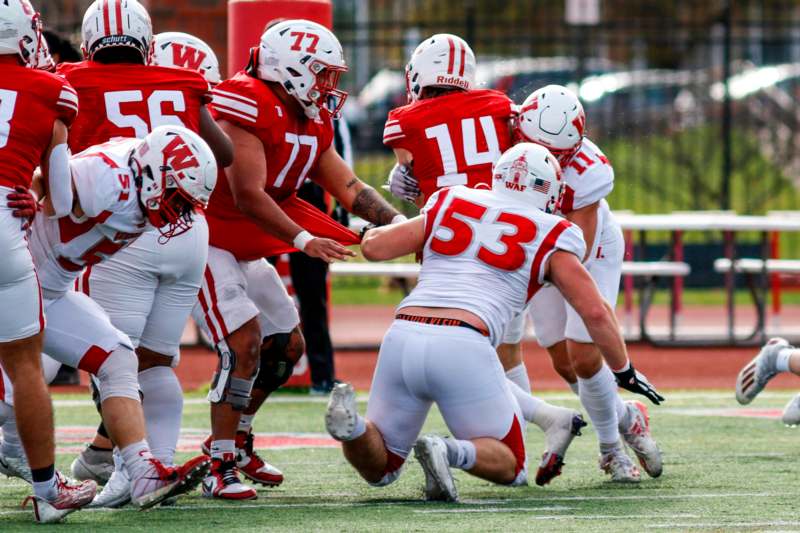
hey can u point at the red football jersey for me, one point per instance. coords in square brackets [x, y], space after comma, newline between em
[454, 138]
[292, 145]
[30, 102]
[125, 100]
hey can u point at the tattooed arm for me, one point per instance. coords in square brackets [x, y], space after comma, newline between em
[356, 196]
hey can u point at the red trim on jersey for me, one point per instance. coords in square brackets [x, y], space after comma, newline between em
[463, 54]
[118, 15]
[430, 216]
[451, 56]
[93, 359]
[514, 441]
[567, 201]
[102, 217]
[2, 386]
[85, 280]
[545, 248]
[106, 18]
[212, 291]
[211, 328]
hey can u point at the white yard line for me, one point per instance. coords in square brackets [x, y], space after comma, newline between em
[722, 525]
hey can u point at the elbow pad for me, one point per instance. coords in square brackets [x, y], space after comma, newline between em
[59, 181]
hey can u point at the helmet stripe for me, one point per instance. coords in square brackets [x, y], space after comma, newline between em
[106, 18]
[118, 15]
[463, 54]
[452, 56]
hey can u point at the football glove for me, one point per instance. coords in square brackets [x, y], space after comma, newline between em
[636, 382]
[24, 204]
[402, 184]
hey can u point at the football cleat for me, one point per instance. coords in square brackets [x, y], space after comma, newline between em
[341, 415]
[638, 438]
[791, 413]
[71, 497]
[756, 374]
[15, 467]
[619, 466]
[564, 425]
[223, 482]
[97, 465]
[162, 482]
[249, 463]
[116, 493]
[431, 452]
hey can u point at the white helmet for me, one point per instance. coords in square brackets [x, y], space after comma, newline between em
[529, 173]
[116, 23]
[175, 172]
[177, 49]
[20, 31]
[443, 60]
[553, 117]
[307, 60]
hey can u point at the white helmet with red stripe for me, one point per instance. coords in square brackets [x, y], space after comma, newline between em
[307, 59]
[175, 172]
[116, 23]
[20, 31]
[177, 49]
[443, 60]
[553, 117]
[529, 173]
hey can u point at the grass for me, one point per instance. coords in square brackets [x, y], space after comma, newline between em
[720, 474]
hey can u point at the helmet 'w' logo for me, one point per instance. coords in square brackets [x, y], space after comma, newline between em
[178, 155]
[187, 57]
[580, 123]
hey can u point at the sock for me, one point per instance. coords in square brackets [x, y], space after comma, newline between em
[575, 388]
[221, 447]
[599, 395]
[460, 453]
[119, 462]
[137, 459]
[519, 375]
[530, 406]
[12, 445]
[246, 423]
[44, 483]
[782, 361]
[360, 429]
[99, 449]
[623, 414]
[610, 447]
[162, 403]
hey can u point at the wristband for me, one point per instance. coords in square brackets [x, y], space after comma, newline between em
[302, 239]
[398, 219]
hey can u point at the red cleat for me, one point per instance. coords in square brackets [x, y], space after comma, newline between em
[249, 463]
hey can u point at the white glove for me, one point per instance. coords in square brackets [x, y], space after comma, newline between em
[402, 184]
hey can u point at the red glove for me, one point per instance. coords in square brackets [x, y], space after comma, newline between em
[24, 204]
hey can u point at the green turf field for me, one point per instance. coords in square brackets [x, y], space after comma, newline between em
[721, 473]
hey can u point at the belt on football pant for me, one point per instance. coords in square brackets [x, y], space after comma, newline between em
[440, 321]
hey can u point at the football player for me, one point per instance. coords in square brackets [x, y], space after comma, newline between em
[275, 111]
[36, 108]
[775, 357]
[121, 189]
[440, 347]
[554, 118]
[149, 288]
[177, 49]
[450, 134]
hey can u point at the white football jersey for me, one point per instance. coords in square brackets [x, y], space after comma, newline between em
[112, 218]
[486, 254]
[589, 178]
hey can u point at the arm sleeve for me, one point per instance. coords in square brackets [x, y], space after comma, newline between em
[97, 185]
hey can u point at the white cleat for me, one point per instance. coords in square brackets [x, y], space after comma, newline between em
[431, 452]
[563, 426]
[71, 497]
[638, 438]
[164, 482]
[791, 413]
[15, 467]
[116, 493]
[341, 414]
[97, 465]
[619, 466]
[756, 374]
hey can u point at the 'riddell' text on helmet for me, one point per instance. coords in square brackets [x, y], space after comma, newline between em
[442, 60]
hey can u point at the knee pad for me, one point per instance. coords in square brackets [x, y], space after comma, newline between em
[117, 376]
[275, 367]
[226, 388]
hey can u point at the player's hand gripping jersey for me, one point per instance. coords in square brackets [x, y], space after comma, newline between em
[292, 145]
[30, 102]
[112, 218]
[112, 108]
[454, 138]
[487, 255]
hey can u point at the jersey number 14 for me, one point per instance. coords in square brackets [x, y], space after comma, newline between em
[471, 155]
